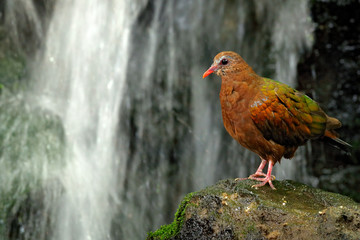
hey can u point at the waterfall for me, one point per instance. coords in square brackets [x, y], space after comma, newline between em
[80, 75]
[136, 126]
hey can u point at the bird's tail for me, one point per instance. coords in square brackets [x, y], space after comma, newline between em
[331, 138]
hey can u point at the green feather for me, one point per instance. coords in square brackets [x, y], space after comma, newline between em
[304, 118]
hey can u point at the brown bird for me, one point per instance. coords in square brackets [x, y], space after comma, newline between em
[266, 116]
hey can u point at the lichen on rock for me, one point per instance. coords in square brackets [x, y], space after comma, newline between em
[235, 210]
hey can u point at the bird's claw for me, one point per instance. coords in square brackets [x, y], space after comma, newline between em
[257, 174]
[256, 177]
[260, 179]
[263, 182]
[240, 179]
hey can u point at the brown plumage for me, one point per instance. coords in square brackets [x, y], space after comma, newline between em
[268, 117]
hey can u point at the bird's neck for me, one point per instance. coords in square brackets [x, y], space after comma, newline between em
[244, 80]
[239, 90]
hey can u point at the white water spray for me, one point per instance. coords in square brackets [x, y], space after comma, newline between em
[80, 76]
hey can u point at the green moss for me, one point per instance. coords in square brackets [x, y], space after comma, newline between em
[170, 230]
[164, 232]
[295, 196]
[11, 68]
[249, 228]
[290, 196]
[12, 63]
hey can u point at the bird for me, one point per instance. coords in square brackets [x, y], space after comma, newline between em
[268, 117]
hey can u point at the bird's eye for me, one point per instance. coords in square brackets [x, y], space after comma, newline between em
[224, 61]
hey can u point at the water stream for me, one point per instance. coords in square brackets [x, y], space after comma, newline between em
[134, 127]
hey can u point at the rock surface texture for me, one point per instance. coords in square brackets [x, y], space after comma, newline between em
[234, 210]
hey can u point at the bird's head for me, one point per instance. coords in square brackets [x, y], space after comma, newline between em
[226, 63]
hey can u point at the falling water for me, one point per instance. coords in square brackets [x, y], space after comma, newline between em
[81, 74]
[135, 127]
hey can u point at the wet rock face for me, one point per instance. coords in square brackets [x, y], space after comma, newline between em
[330, 74]
[234, 210]
[197, 228]
[203, 225]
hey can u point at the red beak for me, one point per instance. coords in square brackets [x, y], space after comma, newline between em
[210, 71]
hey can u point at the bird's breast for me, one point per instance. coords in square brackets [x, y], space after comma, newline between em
[234, 109]
[232, 99]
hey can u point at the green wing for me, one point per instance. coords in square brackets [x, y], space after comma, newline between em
[286, 116]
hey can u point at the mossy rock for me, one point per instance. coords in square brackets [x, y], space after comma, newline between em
[235, 210]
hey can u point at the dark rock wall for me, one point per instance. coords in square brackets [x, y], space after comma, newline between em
[330, 74]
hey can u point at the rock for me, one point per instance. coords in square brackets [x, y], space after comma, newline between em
[329, 74]
[234, 210]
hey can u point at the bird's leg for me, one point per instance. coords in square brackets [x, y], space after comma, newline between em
[258, 173]
[267, 179]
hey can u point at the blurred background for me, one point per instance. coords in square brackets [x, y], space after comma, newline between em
[106, 122]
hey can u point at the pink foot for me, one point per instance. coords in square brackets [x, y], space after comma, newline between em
[258, 173]
[254, 176]
[268, 178]
[263, 182]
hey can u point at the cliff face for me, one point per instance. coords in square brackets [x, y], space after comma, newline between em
[329, 74]
[234, 210]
